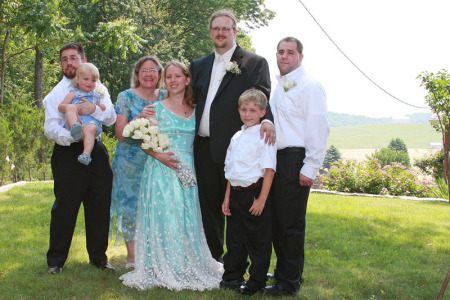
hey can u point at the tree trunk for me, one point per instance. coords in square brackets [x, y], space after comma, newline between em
[38, 75]
[2, 76]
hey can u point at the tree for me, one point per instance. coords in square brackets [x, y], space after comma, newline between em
[438, 99]
[398, 144]
[332, 155]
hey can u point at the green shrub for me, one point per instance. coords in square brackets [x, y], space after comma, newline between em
[110, 142]
[387, 156]
[331, 156]
[371, 178]
[432, 165]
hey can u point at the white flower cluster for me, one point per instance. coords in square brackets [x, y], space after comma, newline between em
[141, 130]
[289, 84]
[101, 89]
[232, 67]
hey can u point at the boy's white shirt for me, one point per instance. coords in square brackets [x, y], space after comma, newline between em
[55, 120]
[248, 157]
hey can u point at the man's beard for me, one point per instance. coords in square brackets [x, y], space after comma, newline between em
[70, 74]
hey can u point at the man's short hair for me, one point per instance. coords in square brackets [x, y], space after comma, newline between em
[253, 96]
[292, 39]
[75, 46]
[224, 13]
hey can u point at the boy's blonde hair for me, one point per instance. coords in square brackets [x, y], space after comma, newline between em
[86, 68]
[253, 96]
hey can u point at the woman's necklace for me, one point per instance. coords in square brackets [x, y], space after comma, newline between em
[185, 112]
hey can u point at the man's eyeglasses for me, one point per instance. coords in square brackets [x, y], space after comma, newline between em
[71, 58]
[151, 71]
[223, 29]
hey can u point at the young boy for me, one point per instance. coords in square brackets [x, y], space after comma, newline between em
[249, 168]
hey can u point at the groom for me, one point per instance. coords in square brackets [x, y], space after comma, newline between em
[218, 80]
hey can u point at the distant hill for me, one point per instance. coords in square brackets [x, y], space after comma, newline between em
[344, 120]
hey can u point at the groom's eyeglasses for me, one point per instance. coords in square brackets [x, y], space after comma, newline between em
[223, 29]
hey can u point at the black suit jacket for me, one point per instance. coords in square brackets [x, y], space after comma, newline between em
[224, 119]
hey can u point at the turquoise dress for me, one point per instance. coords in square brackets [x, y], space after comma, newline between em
[127, 166]
[170, 248]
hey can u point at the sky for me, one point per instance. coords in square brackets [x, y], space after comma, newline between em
[391, 41]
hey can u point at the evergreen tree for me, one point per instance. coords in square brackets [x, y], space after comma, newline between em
[331, 156]
[398, 144]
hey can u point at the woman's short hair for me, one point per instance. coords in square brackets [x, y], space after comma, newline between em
[137, 66]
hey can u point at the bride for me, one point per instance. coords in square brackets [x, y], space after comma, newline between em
[171, 249]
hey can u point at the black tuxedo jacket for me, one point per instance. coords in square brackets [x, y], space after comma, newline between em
[224, 119]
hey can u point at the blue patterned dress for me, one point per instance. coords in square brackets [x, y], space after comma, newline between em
[127, 166]
[170, 248]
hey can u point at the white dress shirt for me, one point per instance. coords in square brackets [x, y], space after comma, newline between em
[55, 120]
[248, 157]
[301, 118]
[217, 73]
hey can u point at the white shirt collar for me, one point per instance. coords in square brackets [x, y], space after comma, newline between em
[227, 55]
[251, 129]
[294, 73]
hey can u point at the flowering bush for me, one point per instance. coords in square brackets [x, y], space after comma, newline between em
[371, 178]
[150, 137]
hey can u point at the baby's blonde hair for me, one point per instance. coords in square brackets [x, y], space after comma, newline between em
[253, 96]
[86, 68]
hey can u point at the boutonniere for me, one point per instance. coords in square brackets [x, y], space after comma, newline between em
[101, 89]
[289, 84]
[232, 67]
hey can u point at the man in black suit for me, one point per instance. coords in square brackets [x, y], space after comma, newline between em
[218, 80]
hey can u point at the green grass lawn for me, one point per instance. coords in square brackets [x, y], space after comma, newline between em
[356, 248]
[415, 136]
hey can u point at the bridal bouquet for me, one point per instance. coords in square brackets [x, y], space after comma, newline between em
[149, 135]
[151, 138]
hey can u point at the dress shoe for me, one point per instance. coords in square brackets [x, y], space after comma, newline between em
[231, 284]
[277, 290]
[104, 265]
[54, 270]
[246, 290]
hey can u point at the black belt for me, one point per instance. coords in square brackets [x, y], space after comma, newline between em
[250, 187]
[291, 150]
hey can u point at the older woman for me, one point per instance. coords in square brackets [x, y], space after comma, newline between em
[129, 159]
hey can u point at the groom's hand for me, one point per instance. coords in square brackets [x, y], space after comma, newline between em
[269, 130]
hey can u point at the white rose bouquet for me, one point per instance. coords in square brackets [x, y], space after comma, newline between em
[149, 135]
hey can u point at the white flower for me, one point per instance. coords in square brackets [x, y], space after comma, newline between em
[153, 130]
[7, 158]
[101, 89]
[289, 84]
[149, 136]
[138, 135]
[143, 129]
[126, 131]
[232, 67]
[158, 149]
